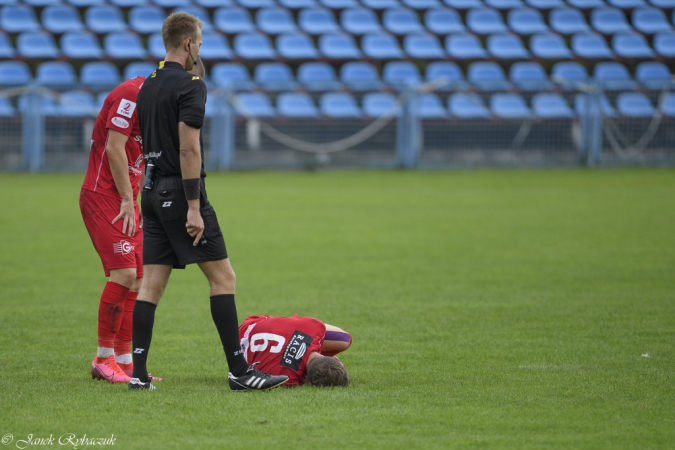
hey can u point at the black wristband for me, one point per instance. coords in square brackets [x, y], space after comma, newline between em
[191, 188]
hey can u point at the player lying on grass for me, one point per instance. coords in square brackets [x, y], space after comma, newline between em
[303, 348]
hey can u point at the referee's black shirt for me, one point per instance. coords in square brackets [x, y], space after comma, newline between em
[168, 96]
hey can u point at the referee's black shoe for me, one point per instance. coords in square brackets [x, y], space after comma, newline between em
[135, 383]
[255, 380]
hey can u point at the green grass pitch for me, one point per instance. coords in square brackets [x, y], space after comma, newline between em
[489, 309]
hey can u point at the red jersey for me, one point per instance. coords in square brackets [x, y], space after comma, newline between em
[118, 113]
[281, 345]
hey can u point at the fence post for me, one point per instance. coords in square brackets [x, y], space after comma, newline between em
[407, 129]
[222, 131]
[595, 135]
[32, 138]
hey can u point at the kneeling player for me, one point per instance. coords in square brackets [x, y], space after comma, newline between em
[303, 348]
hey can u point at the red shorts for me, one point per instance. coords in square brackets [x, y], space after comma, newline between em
[116, 250]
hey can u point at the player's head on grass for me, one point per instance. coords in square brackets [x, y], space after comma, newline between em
[326, 371]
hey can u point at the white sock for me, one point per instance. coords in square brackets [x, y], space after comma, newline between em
[104, 352]
[124, 359]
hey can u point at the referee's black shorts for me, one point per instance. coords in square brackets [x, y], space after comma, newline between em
[166, 240]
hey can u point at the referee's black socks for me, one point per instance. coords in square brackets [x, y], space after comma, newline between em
[143, 321]
[224, 313]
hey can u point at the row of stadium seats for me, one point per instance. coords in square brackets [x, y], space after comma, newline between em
[371, 4]
[357, 21]
[357, 76]
[377, 104]
[247, 46]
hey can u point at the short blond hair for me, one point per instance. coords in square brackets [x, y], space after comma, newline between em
[177, 27]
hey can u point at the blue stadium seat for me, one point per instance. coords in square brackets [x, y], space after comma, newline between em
[36, 45]
[380, 4]
[339, 4]
[668, 105]
[254, 105]
[509, 106]
[296, 46]
[146, 19]
[234, 75]
[233, 20]
[274, 77]
[462, 5]
[545, 4]
[48, 106]
[256, 4]
[61, 19]
[105, 19]
[605, 107]
[650, 21]
[81, 46]
[609, 21]
[291, 104]
[6, 108]
[14, 73]
[360, 76]
[485, 21]
[129, 3]
[664, 44]
[339, 105]
[487, 76]
[172, 3]
[317, 21]
[318, 76]
[551, 106]
[338, 46]
[423, 46]
[654, 75]
[464, 46]
[58, 74]
[359, 21]
[378, 104]
[298, 4]
[568, 21]
[18, 19]
[76, 104]
[665, 4]
[156, 46]
[569, 74]
[253, 46]
[138, 69]
[6, 48]
[100, 75]
[275, 21]
[468, 106]
[626, 4]
[398, 73]
[526, 21]
[429, 106]
[634, 104]
[199, 12]
[591, 46]
[421, 4]
[448, 70]
[504, 4]
[613, 76]
[632, 46]
[549, 46]
[529, 76]
[124, 46]
[586, 4]
[506, 46]
[443, 21]
[215, 47]
[401, 21]
[85, 3]
[381, 46]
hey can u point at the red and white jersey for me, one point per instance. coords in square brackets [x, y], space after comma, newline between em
[281, 345]
[119, 114]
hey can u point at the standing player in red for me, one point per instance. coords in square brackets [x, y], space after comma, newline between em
[111, 215]
[303, 348]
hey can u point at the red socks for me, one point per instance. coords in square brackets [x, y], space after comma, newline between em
[110, 312]
[123, 337]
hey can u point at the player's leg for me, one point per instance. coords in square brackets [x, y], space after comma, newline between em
[123, 336]
[336, 340]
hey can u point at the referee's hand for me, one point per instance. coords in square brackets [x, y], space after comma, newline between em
[195, 225]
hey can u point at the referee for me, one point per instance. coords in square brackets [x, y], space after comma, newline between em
[179, 223]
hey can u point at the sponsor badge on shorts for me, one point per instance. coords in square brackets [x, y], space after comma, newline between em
[126, 108]
[296, 349]
[120, 122]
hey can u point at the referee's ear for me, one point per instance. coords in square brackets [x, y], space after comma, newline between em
[198, 69]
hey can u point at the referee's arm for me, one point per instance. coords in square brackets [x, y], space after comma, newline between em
[191, 167]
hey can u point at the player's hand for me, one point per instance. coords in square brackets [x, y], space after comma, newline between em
[195, 225]
[140, 221]
[128, 214]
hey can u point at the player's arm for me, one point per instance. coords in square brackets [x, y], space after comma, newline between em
[191, 167]
[336, 340]
[119, 167]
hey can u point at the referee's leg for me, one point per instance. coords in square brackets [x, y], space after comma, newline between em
[224, 311]
[155, 279]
